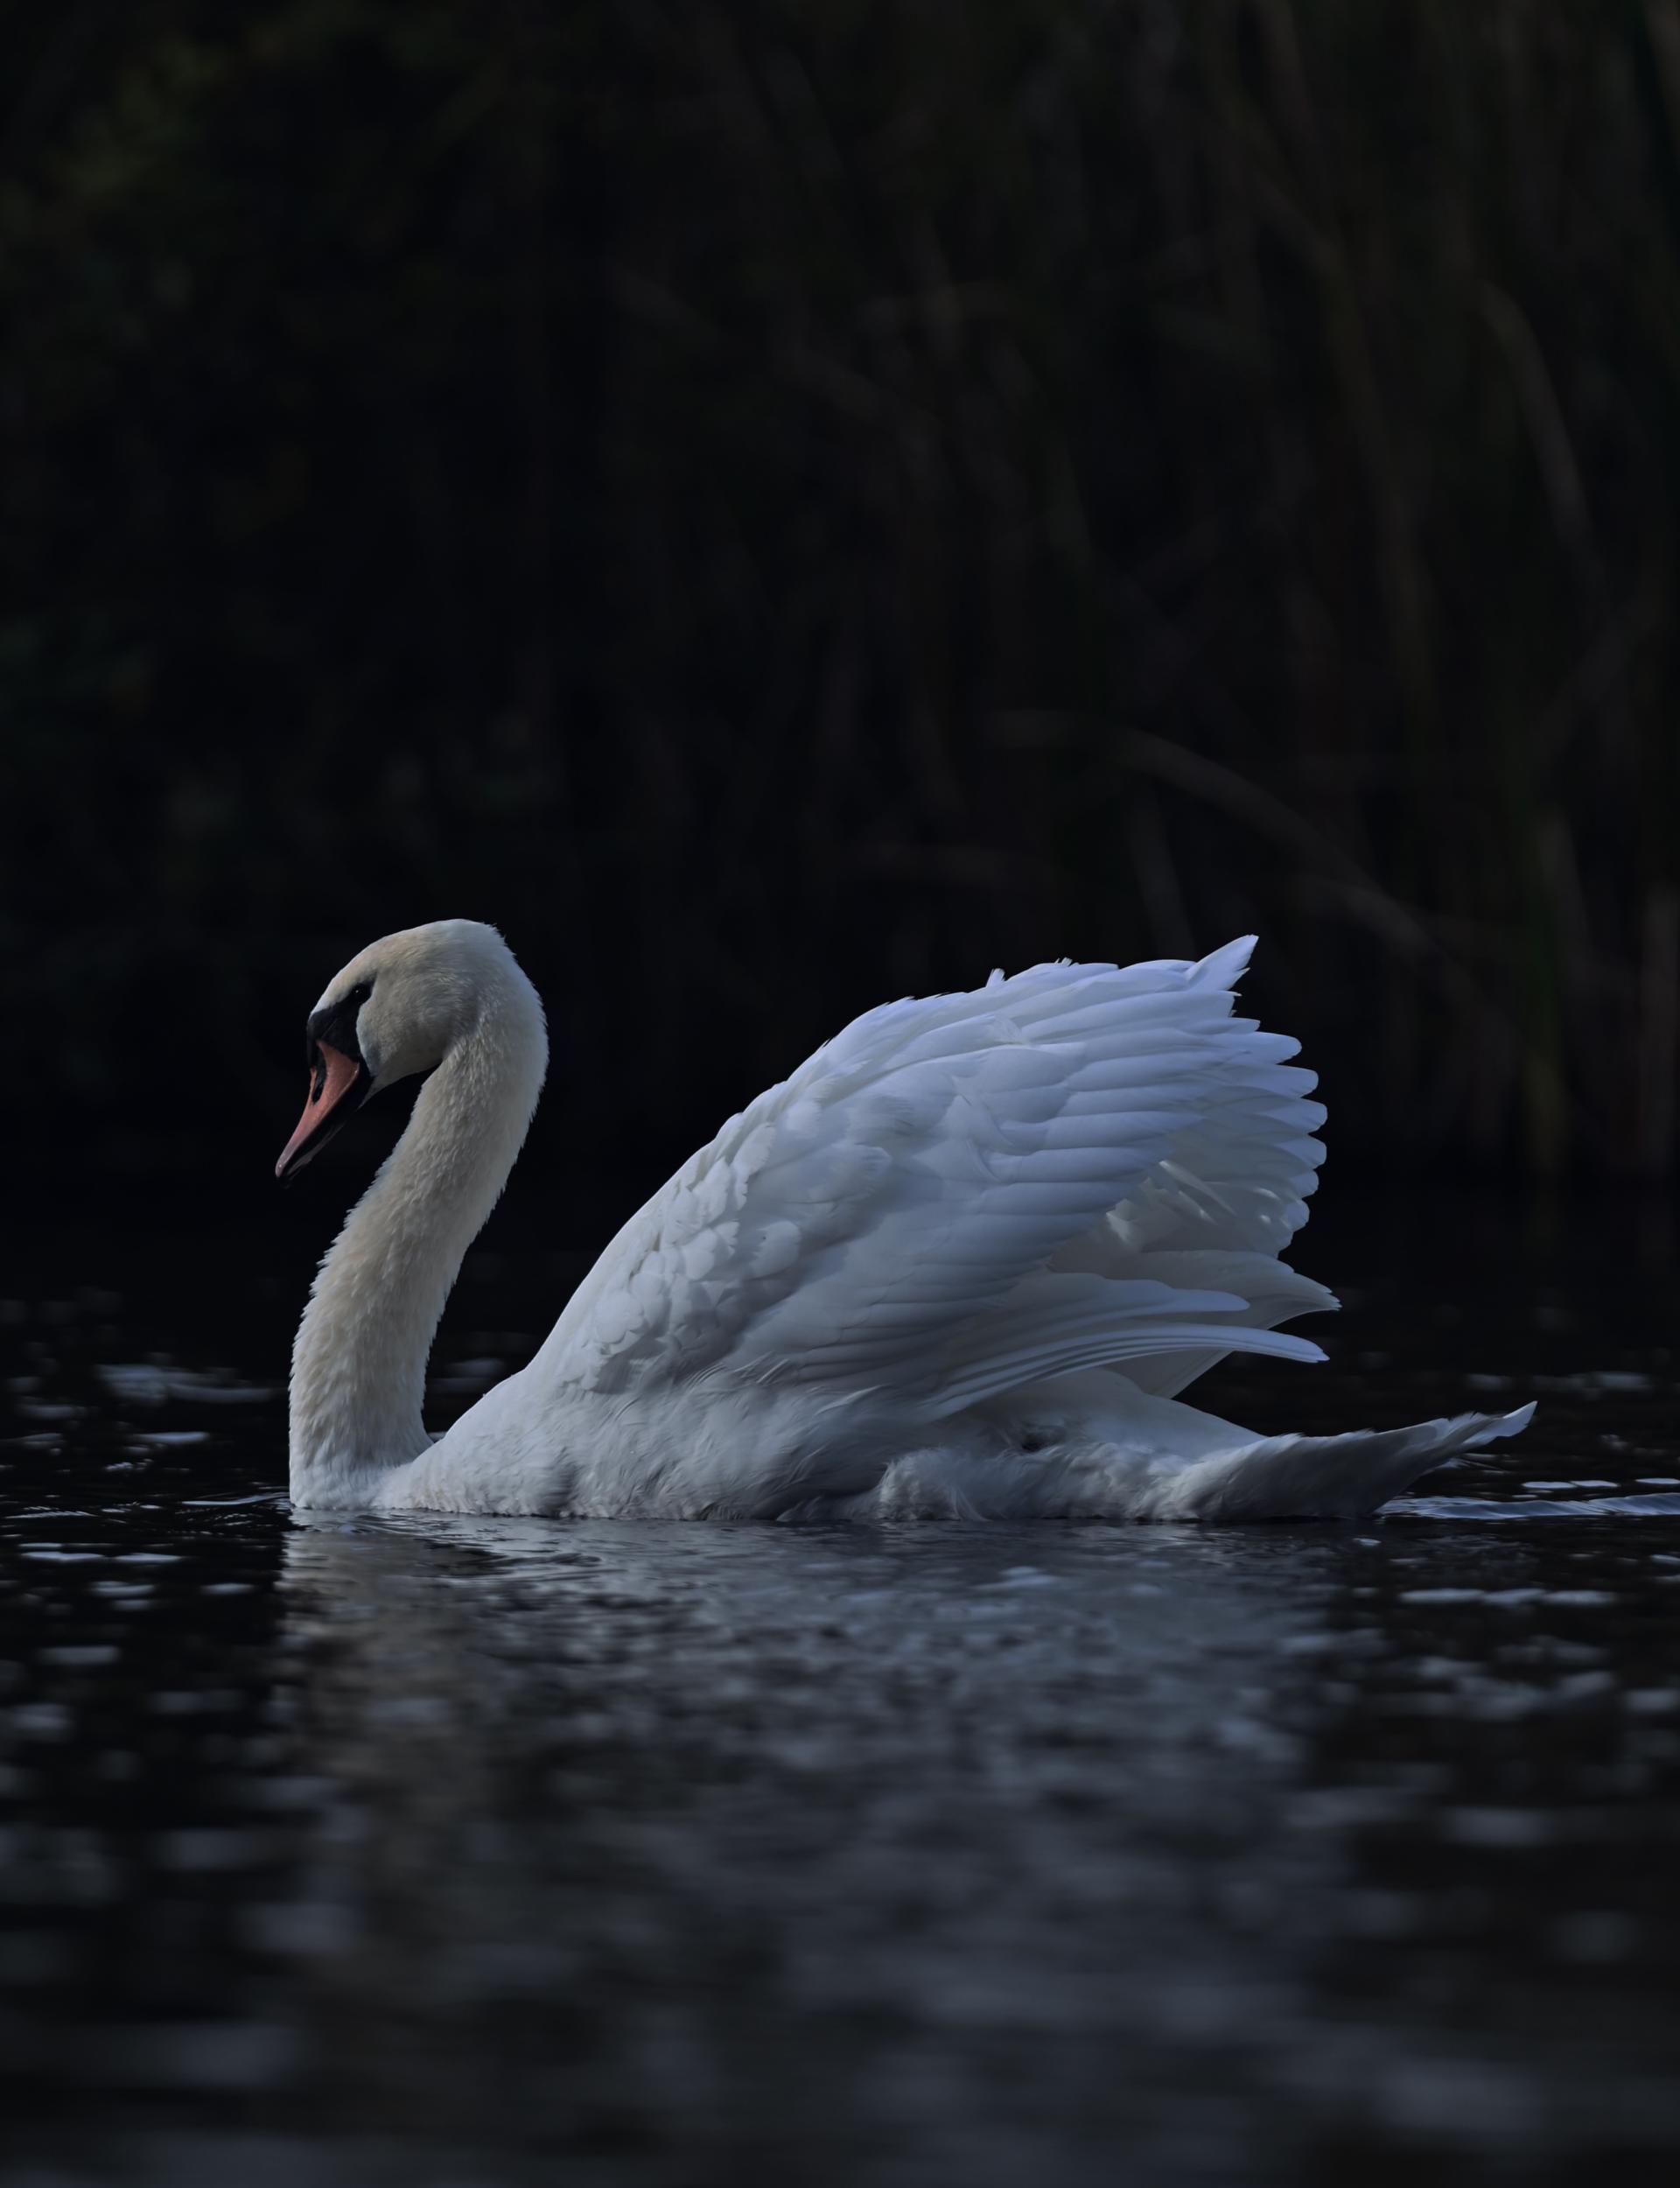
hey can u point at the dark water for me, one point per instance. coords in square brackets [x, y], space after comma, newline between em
[468, 1852]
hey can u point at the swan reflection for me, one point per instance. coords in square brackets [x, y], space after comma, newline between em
[688, 1820]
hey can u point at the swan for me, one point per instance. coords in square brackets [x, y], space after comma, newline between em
[960, 1264]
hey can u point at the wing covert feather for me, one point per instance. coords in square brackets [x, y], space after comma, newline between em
[937, 1151]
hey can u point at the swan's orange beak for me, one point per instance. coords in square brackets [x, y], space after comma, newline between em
[334, 1079]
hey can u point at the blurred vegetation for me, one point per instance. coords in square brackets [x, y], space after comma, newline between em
[779, 504]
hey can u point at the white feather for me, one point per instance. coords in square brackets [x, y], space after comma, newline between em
[928, 1160]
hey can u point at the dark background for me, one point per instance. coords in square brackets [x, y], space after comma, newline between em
[779, 505]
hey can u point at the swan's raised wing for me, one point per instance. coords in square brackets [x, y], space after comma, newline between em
[854, 1223]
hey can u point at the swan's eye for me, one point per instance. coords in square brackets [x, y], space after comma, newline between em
[336, 1025]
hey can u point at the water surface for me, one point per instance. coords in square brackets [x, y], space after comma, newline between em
[464, 1851]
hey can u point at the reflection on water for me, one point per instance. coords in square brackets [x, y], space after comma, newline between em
[478, 1850]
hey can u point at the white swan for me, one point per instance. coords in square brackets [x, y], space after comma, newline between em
[959, 1263]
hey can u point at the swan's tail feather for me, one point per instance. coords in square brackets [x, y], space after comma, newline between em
[1302, 1478]
[1269, 1477]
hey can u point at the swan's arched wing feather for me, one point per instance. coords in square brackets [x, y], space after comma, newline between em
[1240, 1180]
[1221, 1209]
[914, 1171]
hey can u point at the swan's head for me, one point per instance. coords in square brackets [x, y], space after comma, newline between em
[398, 1008]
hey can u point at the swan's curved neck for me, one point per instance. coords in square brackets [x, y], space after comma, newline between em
[358, 1365]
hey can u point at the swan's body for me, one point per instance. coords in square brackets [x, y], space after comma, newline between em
[961, 1263]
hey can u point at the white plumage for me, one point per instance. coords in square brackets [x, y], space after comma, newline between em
[960, 1262]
